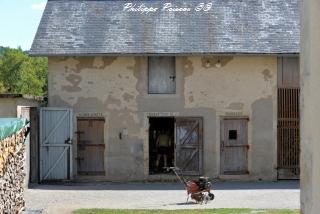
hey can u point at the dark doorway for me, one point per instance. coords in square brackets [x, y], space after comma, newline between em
[161, 144]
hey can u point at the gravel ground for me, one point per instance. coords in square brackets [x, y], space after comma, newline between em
[64, 198]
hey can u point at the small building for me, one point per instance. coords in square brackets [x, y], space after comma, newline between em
[10, 104]
[220, 78]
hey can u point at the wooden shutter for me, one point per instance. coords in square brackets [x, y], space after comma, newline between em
[162, 75]
[288, 72]
[189, 145]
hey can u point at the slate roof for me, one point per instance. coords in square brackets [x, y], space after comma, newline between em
[98, 27]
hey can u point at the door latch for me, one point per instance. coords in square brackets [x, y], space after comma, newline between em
[68, 141]
[173, 78]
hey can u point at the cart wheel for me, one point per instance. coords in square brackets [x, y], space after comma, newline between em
[211, 196]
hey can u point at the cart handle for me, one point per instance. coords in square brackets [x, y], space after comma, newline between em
[180, 177]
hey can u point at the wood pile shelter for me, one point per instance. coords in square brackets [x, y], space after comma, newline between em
[12, 159]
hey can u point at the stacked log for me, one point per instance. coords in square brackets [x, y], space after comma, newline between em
[12, 173]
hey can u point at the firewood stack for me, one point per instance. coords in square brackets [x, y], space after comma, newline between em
[12, 173]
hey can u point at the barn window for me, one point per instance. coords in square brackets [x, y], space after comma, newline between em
[162, 75]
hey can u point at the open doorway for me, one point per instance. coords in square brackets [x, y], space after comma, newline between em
[161, 144]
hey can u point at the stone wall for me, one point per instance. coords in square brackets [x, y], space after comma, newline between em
[310, 107]
[117, 89]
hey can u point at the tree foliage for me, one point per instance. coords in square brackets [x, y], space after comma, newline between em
[20, 73]
[1, 50]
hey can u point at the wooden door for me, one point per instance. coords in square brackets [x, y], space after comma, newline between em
[55, 144]
[234, 146]
[188, 151]
[288, 118]
[34, 145]
[162, 75]
[288, 133]
[90, 146]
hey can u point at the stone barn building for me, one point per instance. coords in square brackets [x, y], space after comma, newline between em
[220, 78]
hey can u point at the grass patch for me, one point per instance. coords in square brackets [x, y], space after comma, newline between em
[200, 211]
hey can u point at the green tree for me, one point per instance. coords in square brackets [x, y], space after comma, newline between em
[20, 73]
[1, 50]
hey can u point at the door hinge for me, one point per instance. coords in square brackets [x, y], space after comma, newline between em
[68, 141]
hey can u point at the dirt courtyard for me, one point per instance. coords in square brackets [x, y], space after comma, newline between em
[64, 198]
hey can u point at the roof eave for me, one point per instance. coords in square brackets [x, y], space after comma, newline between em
[44, 54]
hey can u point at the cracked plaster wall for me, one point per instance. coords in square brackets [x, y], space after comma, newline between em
[116, 88]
